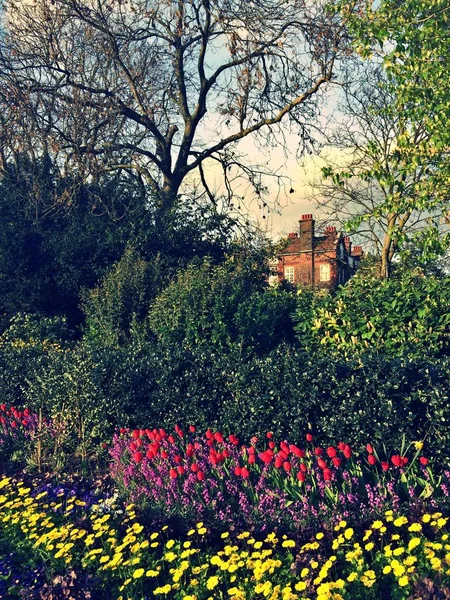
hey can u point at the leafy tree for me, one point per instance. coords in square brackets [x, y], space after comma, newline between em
[137, 85]
[411, 39]
[375, 192]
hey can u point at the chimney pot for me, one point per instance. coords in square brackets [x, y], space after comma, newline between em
[293, 235]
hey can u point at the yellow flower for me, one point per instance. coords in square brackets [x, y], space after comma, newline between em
[319, 536]
[225, 535]
[138, 573]
[426, 518]
[212, 582]
[348, 533]
[377, 524]
[418, 445]
[403, 581]
[413, 543]
[300, 586]
[399, 521]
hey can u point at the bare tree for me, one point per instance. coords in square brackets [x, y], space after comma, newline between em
[165, 87]
[372, 187]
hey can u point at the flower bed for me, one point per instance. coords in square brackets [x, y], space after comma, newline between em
[109, 553]
[268, 483]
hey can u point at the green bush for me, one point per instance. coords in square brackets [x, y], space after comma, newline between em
[406, 316]
[218, 306]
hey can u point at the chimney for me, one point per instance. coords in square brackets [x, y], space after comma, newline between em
[329, 231]
[293, 236]
[348, 244]
[357, 251]
[306, 234]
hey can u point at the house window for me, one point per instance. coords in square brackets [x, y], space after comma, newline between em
[289, 274]
[325, 272]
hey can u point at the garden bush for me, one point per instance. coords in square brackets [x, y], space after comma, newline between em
[406, 316]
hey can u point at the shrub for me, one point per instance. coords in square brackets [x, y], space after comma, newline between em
[406, 316]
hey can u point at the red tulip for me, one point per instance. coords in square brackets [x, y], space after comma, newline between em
[266, 457]
[194, 468]
[173, 473]
[189, 450]
[137, 457]
[309, 437]
[135, 433]
[303, 468]
[331, 452]
[385, 466]
[122, 430]
[138, 442]
[396, 460]
[225, 453]
[337, 462]
[180, 469]
[287, 466]
[301, 476]
[171, 439]
[318, 451]
[234, 440]
[269, 435]
[192, 428]
[322, 464]
[164, 454]
[347, 451]
[251, 459]
[423, 461]
[327, 475]
[285, 447]
[278, 461]
[297, 451]
[178, 459]
[245, 473]
[271, 445]
[371, 459]
[209, 434]
[133, 446]
[238, 471]
[218, 437]
[369, 448]
[151, 453]
[200, 475]
[3, 407]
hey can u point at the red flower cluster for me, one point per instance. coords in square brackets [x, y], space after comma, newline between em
[15, 418]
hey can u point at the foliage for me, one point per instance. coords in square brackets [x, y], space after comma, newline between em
[219, 306]
[373, 189]
[48, 253]
[412, 40]
[406, 317]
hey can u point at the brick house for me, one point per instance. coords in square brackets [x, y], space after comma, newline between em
[317, 261]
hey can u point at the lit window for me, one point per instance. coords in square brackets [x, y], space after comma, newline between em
[289, 274]
[325, 272]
